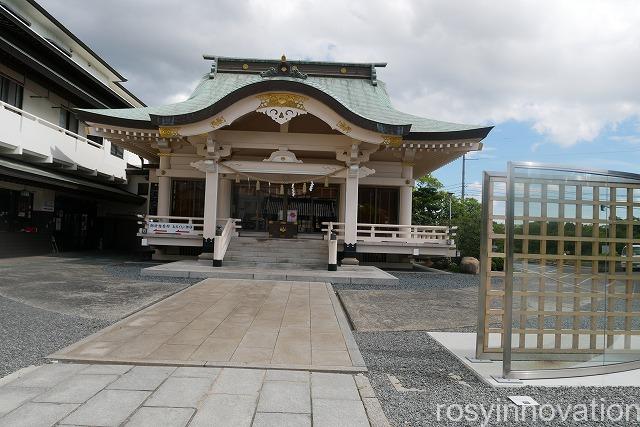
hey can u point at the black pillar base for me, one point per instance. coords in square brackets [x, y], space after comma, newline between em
[332, 267]
[217, 263]
[207, 245]
[349, 249]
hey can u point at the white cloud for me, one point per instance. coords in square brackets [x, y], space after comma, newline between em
[569, 68]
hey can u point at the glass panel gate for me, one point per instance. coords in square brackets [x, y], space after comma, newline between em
[567, 301]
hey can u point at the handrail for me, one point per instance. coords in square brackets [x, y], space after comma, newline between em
[48, 124]
[419, 227]
[222, 241]
[161, 217]
[396, 233]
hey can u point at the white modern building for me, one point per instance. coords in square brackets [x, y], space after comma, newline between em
[59, 187]
[280, 149]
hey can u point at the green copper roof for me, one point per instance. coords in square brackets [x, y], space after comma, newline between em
[357, 95]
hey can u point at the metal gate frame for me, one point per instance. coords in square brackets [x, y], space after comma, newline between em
[497, 287]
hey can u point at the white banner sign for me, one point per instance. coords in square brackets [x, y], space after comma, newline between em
[169, 228]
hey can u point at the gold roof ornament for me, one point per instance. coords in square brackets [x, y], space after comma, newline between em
[343, 126]
[392, 140]
[168, 132]
[218, 122]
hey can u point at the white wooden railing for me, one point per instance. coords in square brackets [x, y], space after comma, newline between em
[222, 240]
[391, 233]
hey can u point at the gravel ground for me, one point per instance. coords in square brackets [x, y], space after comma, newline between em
[418, 280]
[419, 362]
[48, 303]
[28, 334]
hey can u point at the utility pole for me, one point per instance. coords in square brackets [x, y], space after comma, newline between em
[464, 163]
[464, 159]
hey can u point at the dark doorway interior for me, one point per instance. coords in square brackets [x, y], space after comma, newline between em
[378, 205]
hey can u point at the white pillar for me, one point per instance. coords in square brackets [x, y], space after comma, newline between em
[224, 198]
[164, 186]
[405, 205]
[210, 200]
[341, 208]
[351, 209]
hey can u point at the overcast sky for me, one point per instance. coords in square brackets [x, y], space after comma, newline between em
[551, 75]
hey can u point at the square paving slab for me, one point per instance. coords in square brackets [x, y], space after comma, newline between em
[193, 396]
[234, 323]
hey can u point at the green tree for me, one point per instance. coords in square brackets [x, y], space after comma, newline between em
[467, 216]
[431, 207]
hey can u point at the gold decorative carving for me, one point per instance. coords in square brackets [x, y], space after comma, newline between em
[392, 140]
[166, 132]
[245, 66]
[343, 70]
[344, 127]
[281, 107]
[218, 122]
[276, 99]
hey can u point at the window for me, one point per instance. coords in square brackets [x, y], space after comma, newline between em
[117, 151]
[11, 92]
[97, 139]
[68, 120]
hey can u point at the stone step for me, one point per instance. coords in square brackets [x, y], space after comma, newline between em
[277, 247]
[276, 242]
[273, 266]
[279, 261]
[265, 252]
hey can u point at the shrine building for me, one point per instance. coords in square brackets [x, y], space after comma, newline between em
[281, 149]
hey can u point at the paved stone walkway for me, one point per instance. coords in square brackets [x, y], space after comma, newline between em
[113, 395]
[227, 322]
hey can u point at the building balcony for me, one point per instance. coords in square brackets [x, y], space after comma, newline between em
[35, 140]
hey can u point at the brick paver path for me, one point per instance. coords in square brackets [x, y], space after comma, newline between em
[226, 322]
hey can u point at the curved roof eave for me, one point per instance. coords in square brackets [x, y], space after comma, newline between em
[280, 85]
[118, 117]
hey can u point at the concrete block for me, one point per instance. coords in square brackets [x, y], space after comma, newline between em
[77, 389]
[142, 378]
[282, 375]
[281, 420]
[374, 411]
[37, 414]
[269, 276]
[333, 386]
[106, 370]
[12, 397]
[334, 413]
[364, 386]
[193, 372]
[225, 410]
[239, 381]
[154, 417]
[283, 396]
[157, 272]
[48, 376]
[180, 392]
[107, 408]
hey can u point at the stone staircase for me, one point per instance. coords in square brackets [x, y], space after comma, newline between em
[277, 254]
